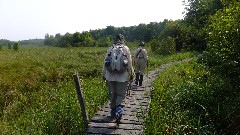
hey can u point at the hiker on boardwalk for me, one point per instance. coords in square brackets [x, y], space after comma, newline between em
[117, 71]
[140, 62]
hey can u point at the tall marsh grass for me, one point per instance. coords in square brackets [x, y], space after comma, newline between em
[37, 92]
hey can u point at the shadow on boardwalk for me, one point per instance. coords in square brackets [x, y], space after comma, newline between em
[135, 110]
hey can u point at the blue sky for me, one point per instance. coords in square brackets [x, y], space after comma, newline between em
[30, 19]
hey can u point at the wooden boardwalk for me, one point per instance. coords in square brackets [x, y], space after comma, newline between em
[135, 108]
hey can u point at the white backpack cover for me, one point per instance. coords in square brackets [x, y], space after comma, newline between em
[116, 60]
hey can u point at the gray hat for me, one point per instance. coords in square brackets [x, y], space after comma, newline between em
[141, 44]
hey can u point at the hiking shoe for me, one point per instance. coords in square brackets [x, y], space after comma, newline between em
[119, 112]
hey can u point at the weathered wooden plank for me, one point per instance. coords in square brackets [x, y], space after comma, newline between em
[99, 131]
[130, 119]
[122, 126]
[107, 131]
[99, 118]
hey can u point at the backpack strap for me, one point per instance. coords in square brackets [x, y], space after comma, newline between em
[138, 53]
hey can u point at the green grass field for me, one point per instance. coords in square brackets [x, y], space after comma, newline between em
[37, 92]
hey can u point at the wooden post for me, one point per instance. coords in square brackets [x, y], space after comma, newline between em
[80, 97]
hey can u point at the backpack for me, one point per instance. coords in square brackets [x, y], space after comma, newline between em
[116, 60]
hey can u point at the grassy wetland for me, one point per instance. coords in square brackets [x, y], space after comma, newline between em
[37, 91]
[38, 96]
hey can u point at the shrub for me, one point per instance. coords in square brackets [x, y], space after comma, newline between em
[165, 46]
[223, 54]
[15, 46]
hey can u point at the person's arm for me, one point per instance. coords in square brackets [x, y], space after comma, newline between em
[134, 57]
[145, 54]
[130, 67]
[104, 68]
[135, 53]
[104, 71]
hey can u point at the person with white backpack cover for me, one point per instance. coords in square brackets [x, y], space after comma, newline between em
[117, 72]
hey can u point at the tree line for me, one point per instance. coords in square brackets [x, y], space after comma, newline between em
[6, 42]
[174, 33]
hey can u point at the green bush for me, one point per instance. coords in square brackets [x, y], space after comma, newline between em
[163, 47]
[223, 55]
[15, 46]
